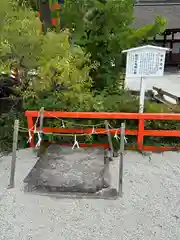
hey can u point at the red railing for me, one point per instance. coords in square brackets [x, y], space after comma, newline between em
[141, 132]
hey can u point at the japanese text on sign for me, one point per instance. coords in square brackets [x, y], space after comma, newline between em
[145, 63]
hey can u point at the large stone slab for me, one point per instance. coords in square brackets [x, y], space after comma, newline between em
[65, 170]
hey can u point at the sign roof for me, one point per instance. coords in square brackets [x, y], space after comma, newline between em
[146, 47]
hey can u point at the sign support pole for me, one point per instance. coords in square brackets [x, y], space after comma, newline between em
[142, 95]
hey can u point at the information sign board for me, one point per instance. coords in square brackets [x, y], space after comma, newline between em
[145, 61]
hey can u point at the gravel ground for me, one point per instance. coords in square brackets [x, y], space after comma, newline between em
[149, 209]
[169, 82]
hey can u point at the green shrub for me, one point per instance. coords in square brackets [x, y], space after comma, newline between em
[6, 131]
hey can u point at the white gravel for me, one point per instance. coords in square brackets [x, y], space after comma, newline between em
[169, 82]
[149, 209]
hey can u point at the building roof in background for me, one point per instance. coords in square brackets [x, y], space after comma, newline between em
[157, 1]
[146, 12]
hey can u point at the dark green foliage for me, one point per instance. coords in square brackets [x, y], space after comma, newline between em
[104, 30]
[6, 131]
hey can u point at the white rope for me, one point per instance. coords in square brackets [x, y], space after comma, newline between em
[76, 144]
[76, 124]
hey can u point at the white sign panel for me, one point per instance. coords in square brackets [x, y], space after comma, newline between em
[145, 62]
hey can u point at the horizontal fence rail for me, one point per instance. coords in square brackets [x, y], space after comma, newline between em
[141, 132]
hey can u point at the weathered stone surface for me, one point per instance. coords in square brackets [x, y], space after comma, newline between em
[79, 170]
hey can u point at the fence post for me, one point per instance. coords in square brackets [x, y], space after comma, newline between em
[109, 138]
[41, 121]
[30, 126]
[120, 191]
[140, 137]
[14, 149]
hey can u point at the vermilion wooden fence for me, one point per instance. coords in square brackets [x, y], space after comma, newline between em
[141, 132]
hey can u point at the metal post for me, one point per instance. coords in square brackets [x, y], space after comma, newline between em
[121, 159]
[14, 149]
[109, 138]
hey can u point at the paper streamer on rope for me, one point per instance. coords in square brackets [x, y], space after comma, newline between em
[119, 138]
[116, 136]
[63, 125]
[39, 140]
[29, 131]
[76, 144]
[93, 130]
[30, 136]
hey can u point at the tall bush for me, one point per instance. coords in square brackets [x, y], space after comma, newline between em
[104, 29]
[63, 80]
